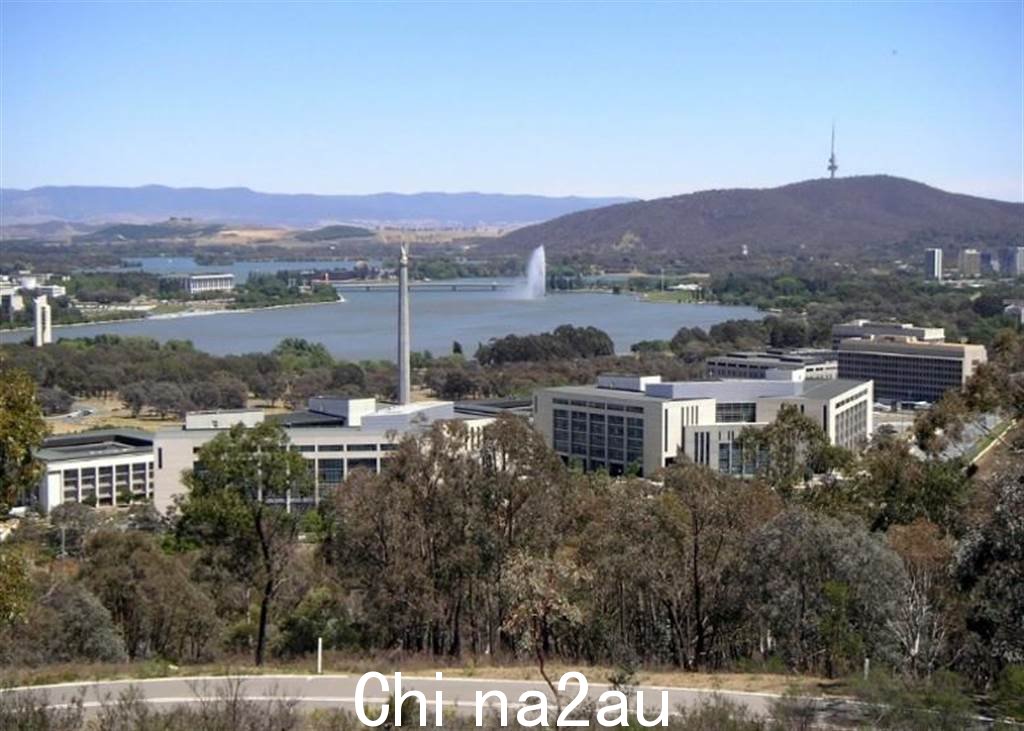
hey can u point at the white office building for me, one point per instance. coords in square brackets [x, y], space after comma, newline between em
[336, 435]
[106, 467]
[640, 423]
[933, 264]
[204, 283]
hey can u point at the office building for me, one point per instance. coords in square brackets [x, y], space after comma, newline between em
[933, 264]
[204, 283]
[866, 329]
[11, 300]
[769, 364]
[970, 263]
[905, 368]
[52, 290]
[111, 467]
[336, 435]
[43, 334]
[639, 423]
[1013, 262]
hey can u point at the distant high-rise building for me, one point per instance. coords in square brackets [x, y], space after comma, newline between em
[989, 263]
[44, 330]
[933, 264]
[1013, 262]
[970, 263]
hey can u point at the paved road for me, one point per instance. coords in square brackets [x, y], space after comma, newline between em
[339, 691]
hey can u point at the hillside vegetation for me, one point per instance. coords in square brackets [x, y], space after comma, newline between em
[330, 233]
[843, 218]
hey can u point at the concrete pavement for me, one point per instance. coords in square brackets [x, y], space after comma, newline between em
[340, 691]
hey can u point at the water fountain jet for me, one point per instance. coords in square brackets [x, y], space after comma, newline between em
[536, 275]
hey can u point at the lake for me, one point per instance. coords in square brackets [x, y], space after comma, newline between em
[364, 327]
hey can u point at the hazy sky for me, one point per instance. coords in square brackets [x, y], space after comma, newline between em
[614, 99]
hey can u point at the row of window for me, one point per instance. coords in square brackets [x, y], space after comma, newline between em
[308, 448]
[602, 405]
[108, 484]
[598, 436]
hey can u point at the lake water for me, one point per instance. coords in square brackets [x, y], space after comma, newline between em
[364, 327]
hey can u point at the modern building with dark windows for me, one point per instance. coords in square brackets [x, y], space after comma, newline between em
[639, 424]
[907, 369]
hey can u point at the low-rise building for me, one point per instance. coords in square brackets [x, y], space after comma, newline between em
[337, 435]
[868, 329]
[203, 283]
[639, 423]
[104, 467]
[815, 364]
[905, 368]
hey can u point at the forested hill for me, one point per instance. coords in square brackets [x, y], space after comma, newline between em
[233, 205]
[844, 217]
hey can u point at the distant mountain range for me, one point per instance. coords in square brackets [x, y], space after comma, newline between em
[92, 204]
[835, 218]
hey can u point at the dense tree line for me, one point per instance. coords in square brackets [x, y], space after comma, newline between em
[564, 342]
[824, 296]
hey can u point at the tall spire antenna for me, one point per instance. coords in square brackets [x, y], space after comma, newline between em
[404, 387]
[832, 164]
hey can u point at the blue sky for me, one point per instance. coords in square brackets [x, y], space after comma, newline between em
[591, 99]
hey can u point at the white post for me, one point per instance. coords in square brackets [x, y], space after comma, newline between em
[319, 655]
[867, 667]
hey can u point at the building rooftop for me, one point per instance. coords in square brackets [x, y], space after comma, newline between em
[100, 442]
[721, 390]
[908, 344]
[494, 407]
[303, 419]
[769, 357]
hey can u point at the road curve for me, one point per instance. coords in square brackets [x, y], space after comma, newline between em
[339, 691]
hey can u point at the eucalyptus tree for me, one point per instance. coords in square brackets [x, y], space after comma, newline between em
[237, 509]
[22, 430]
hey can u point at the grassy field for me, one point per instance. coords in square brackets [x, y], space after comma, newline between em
[111, 413]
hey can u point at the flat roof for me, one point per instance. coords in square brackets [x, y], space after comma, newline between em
[97, 443]
[817, 389]
[599, 392]
[768, 359]
[305, 419]
[829, 389]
